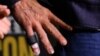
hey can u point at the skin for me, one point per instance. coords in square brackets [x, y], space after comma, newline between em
[4, 22]
[33, 17]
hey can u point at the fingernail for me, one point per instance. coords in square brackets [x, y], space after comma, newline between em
[71, 28]
[51, 51]
[35, 48]
[37, 52]
[64, 42]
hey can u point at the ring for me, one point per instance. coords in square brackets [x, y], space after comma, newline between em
[32, 39]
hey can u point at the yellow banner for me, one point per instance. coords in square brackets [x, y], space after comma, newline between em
[15, 45]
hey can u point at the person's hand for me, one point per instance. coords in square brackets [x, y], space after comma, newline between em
[34, 17]
[4, 22]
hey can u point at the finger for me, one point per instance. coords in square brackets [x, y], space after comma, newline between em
[33, 43]
[55, 32]
[29, 30]
[4, 12]
[44, 39]
[7, 12]
[57, 21]
[1, 35]
[32, 40]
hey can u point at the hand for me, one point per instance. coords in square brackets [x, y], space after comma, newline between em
[4, 22]
[34, 17]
